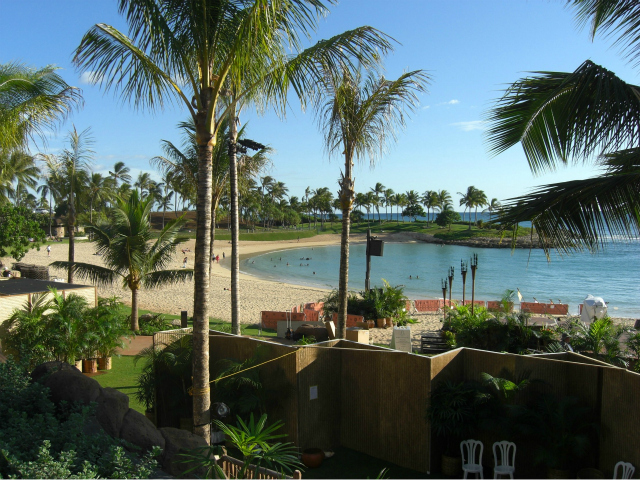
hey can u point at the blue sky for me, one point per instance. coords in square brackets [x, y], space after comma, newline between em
[472, 49]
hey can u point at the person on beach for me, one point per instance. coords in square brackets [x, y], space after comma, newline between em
[223, 255]
[184, 262]
[298, 238]
[48, 250]
[217, 258]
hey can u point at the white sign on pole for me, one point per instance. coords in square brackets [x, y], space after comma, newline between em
[401, 339]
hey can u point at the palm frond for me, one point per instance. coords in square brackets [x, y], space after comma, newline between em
[166, 277]
[95, 274]
[566, 117]
[584, 213]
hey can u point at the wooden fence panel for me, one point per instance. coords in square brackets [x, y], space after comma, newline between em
[620, 417]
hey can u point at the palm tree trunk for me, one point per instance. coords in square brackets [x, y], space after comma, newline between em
[202, 264]
[163, 214]
[347, 195]
[235, 225]
[71, 222]
[50, 213]
[212, 236]
[134, 310]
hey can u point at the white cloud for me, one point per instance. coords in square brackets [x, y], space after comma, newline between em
[471, 125]
[90, 78]
[426, 107]
[453, 102]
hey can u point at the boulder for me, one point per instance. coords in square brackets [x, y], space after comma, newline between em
[139, 430]
[179, 442]
[45, 369]
[112, 407]
[72, 386]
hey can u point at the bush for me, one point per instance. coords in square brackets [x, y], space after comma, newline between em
[378, 302]
[150, 324]
[40, 440]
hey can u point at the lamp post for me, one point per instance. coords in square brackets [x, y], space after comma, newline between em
[474, 267]
[444, 298]
[463, 272]
[451, 273]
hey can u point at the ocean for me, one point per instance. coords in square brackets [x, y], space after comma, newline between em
[611, 274]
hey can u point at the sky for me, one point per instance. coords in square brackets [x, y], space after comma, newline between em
[472, 49]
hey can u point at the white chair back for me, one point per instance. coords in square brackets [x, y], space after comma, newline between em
[627, 470]
[507, 454]
[469, 448]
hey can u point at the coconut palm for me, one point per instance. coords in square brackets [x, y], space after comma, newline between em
[401, 203]
[120, 173]
[197, 52]
[443, 199]
[31, 102]
[125, 248]
[468, 200]
[98, 191]
[17, 168]
[378, 192]
[584, 116]
[479, 200]
[493, 206]
[358, 117]
[164, 203]
[388, 202]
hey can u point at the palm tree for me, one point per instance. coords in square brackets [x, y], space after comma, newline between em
[479, 200]
[401, 203]
[358, 118]
[196, 52]
[378, 191]
[561, 118]
[125, 248]
[430, 201]
[17, 168]
[443, 199]
[164, 203]
[143, 183]
[493, 206]
[98, 192]
[467, 199]
[73, 172]
[31, 101]
[388, 202]
[120, 173]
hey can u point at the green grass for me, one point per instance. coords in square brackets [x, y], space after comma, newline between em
[123, 377]
[347, 463]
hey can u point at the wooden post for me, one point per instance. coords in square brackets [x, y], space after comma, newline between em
[183, 319]
[366, 278]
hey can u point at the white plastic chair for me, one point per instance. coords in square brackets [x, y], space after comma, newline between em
[507, 464]
[627, 470]
[468, 448]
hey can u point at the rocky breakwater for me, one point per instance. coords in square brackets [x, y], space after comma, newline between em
[113, 415]
[481, 242]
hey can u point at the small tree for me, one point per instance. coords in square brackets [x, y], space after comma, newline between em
[17, 226]
[447, 216]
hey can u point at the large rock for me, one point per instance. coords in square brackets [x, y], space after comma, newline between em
[138, 429]
[73, 387]
[112, 407]
[45, 369]
[179, 442]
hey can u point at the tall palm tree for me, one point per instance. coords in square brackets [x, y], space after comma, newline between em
[467, 199]
[192, 51]
[31, 102]
[74, 162]
[98, 192]
[430, 201]
[359, 116]
[493, 206]
[584, 116]
[479, 200]
[444, 199]
[388, 202]
[401, 203]
[164, 203]
[143, 183]
[378, 191]
[120, 173]
[128, 254]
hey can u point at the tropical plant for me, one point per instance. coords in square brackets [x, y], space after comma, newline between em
[32, 101]
[601, 337]
[198, 53]
[359, 117]
[447, 216]
[493, 207]
[121, 173]
[17, 226]
[17, 170]
[589, 115]
[125, 248]
[453, 412]
[242, 391]
[633, 346]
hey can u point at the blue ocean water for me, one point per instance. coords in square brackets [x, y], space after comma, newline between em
[612, 274]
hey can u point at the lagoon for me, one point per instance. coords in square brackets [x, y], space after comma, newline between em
[611, 274]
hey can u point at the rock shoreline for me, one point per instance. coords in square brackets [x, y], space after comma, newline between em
[480, 242]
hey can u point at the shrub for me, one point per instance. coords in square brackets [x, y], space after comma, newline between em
[150, 324]
[38, 440]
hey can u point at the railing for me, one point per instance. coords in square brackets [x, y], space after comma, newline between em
[232, 467]
[164, 338]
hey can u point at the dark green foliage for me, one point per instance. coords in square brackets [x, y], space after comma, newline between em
[378, 302]
[150, 324]
[446, 217]
[633, 346]
[413, 211]
[243, 393]
[600, 338]
[484, 331]
[17, 226]
[40, 440]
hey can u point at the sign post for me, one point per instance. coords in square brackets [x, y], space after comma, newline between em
[375, 248]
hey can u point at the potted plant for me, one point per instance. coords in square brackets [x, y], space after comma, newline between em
[145, 393]
[111, 327]
[453, 415]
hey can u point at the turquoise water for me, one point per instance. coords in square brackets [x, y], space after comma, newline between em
[612, 274]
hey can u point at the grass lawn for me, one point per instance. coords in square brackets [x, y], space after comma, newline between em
[122, 377]
[347, 463]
